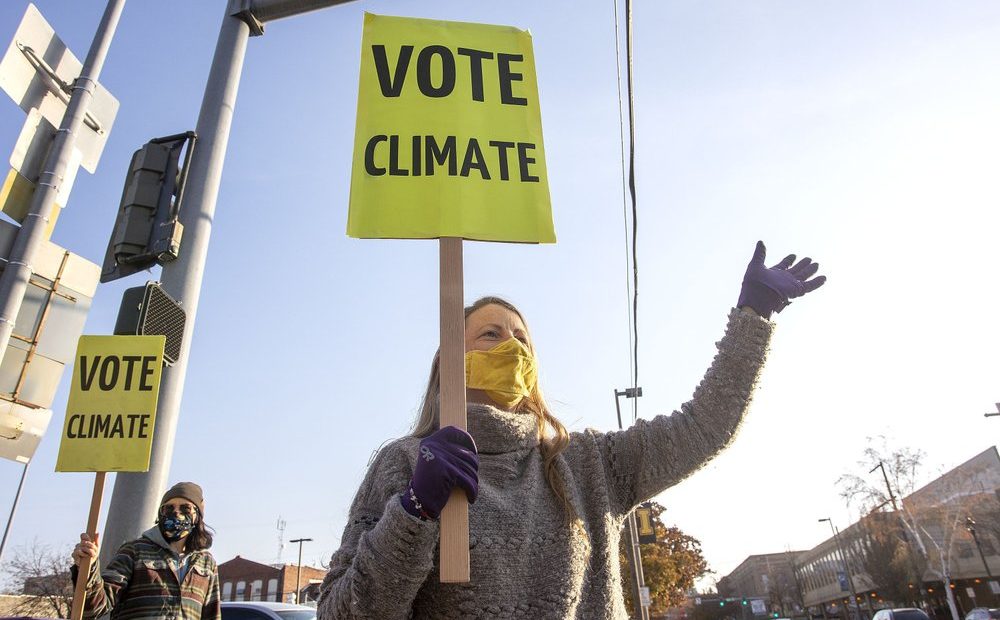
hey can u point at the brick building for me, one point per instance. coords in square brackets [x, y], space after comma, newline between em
[241, 579]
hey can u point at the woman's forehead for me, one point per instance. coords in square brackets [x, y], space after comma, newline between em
[495, 314]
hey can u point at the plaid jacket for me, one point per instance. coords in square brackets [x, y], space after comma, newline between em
[140, 583]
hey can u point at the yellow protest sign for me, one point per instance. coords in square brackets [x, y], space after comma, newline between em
[112, 404]
[448, 141]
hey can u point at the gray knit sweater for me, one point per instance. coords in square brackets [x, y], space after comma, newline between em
[525, 561]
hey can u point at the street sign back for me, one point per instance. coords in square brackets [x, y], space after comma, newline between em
[21, 430]
[34, 50]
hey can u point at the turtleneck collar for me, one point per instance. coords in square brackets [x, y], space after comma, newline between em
[496, 431]
[156, 536]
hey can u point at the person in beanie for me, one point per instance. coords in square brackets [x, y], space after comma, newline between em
[548, 505]
[166, 573]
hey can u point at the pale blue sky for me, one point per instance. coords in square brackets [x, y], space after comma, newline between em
[862, 134]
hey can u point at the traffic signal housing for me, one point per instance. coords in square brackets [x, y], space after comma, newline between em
[147, 231]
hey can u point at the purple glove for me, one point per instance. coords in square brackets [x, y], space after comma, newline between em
[769, 290]
[447, 459]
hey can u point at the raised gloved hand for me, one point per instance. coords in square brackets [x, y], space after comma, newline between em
[768, 290]
[447, 459]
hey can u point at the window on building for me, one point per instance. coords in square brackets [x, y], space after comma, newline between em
[255, 589]
[241, 589]
[227, 591]
[272, 589]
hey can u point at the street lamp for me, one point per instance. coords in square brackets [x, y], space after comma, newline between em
[298, 573]
[970, 525]
[843, 559]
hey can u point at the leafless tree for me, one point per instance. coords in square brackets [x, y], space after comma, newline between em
[933, 520]
[40, 574]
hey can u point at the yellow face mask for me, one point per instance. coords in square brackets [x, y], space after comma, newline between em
[506, 372]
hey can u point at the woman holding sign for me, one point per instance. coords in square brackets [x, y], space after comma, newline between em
[166, 573]
[549, 504]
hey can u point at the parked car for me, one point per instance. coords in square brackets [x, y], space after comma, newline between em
[903, 613]
[263, 610]
[983, 613]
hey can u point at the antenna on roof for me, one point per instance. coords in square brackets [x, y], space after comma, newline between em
[281, 539]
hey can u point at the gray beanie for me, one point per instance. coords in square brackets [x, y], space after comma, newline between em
[186, 490]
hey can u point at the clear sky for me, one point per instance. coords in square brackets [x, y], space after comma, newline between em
[862, 134]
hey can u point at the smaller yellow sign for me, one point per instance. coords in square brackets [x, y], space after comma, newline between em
[15, 200]
[644, 522]
[112, 404]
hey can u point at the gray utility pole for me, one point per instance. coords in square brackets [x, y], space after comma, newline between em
[14, 281]
[298, 573]
[632, 548]
[906, 535]
[888, 487]
[843, 559]
[13, 509]
[136, 495]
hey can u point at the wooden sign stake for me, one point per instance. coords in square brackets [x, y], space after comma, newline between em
[455, 516]
[82, 576]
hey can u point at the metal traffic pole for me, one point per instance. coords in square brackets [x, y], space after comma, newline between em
[632, 548]
[136, 495]
[31, 236]
[847, 568]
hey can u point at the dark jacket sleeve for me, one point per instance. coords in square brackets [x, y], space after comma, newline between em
[210, 610]
[656, 454]
[104, 588]
[385, 553]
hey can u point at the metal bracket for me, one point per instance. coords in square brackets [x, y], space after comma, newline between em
[56, 85]
[242, 10]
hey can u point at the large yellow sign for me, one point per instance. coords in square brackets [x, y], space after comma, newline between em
[449, 134]
[112, 404]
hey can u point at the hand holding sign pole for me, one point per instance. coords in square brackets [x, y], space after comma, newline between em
[448, 146]
[109, 418]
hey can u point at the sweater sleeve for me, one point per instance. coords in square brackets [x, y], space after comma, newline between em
[656, 454]
[385, 553]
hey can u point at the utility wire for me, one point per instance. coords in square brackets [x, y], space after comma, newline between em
[621, 146]
[634, 319]
[635, 221]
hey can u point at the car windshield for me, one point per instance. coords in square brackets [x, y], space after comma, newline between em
[909, 614]
[295, 614]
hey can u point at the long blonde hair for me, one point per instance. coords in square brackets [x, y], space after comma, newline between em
[552, 435]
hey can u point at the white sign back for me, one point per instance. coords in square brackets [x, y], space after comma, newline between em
[23, 76]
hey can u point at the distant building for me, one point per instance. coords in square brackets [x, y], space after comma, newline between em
[822, 582]
[241, 579]
[769, 577]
